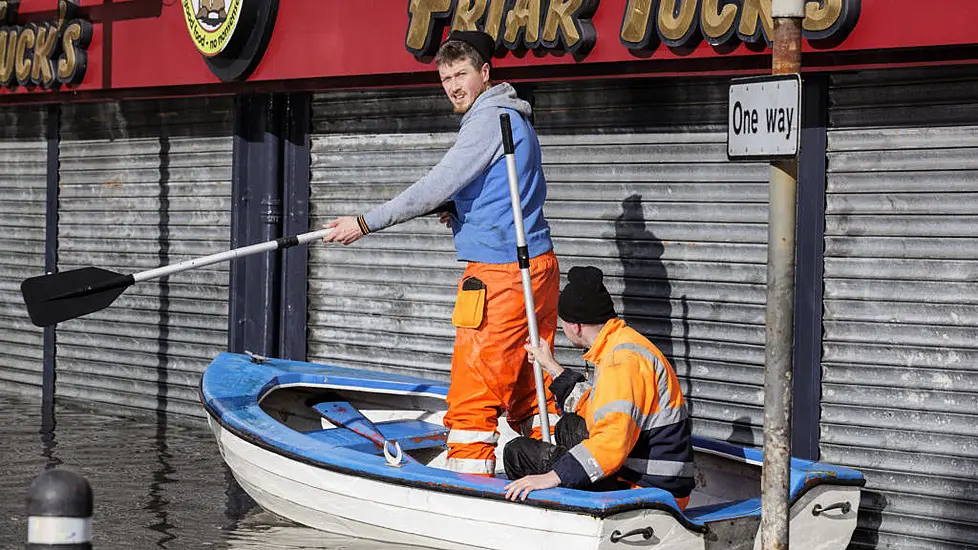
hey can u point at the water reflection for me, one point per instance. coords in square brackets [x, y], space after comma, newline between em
[158, 483]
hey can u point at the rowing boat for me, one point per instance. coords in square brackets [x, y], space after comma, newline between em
[363, 453]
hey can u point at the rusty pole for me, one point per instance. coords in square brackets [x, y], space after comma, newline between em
[779, 338]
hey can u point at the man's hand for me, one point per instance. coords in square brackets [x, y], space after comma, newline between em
[546, 359]
[521, 488]
[346, 230]
[445, 218]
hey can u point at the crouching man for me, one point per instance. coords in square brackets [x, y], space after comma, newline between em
[628, 427]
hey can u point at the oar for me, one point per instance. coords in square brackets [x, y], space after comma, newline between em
[523, 257]
[344, 415]
[57, 297]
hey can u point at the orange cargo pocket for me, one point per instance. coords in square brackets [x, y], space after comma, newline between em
[470, 305]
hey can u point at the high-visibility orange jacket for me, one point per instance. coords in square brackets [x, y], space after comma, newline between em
[638, 423]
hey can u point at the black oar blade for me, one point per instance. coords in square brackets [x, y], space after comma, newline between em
[61, 296]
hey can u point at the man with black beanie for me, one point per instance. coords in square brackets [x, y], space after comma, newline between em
[490, 372]
[628, 427]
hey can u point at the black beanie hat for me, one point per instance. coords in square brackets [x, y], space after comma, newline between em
[585, 300]
[482, 42]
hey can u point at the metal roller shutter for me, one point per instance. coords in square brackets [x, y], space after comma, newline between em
[900, 355]
[23, 192]
[385, 302]
[145, 184]
[638, 184]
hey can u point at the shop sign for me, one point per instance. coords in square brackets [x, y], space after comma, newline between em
[566, 24]
[515, 24]
[46, 54]
[230, 34]
[763, 117]
[682, 23]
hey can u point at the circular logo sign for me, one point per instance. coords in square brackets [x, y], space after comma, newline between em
[212, 23]
[230, 34]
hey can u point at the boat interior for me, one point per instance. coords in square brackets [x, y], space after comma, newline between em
[728, 483]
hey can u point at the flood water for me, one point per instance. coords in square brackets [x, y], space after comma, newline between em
[158, 482]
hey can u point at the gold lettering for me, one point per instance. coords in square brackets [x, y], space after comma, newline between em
[467, 14]
[717, 23]
[62, 13]
[23, 61]
[676, 28]
[525, 15]
[43, 72]
[494, 20]
[69, 61]
[635, 24]
[422, 14]
[560, 18]
[820, 16]
[754, 10]
[8, 47]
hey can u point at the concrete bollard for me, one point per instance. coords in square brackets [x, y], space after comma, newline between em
[59, 510]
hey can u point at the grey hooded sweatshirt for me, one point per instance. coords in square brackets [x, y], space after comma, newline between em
[478, 146]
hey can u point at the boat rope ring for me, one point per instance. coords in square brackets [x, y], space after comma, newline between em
[396, 459]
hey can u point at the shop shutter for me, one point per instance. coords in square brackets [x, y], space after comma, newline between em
[23, 191]
[144, 184]
[385, 302]
[639, 185]
[900, 352]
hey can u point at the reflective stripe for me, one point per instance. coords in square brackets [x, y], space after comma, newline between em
[531, 422]
[55, 531]
[620, 406]
[665, 417]
[472, 436]
[574, 397]
[588, 462]
[471, 466]
[667, 414]
[664, 468]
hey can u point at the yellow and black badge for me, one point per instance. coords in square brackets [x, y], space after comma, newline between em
[212, 23]
[230, 34]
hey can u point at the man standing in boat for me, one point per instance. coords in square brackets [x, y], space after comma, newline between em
[490, 371]
[629, 428]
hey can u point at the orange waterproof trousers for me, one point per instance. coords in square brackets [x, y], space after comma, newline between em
[490, 371]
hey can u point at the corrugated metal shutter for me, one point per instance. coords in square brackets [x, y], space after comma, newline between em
[385, 302]
[145, 184]
[900, 355]
[639, 185]
[23, 192]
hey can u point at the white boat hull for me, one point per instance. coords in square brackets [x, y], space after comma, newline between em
[351, 506]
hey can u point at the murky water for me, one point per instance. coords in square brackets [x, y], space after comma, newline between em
[157, 483]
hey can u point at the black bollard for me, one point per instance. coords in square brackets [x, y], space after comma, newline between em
[59, 510]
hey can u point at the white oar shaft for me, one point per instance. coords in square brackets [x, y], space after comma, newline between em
[522, 255]
[284, 242]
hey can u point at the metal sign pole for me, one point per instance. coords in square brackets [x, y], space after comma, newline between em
[779, 340]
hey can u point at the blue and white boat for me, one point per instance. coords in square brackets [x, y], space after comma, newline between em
[293, 435]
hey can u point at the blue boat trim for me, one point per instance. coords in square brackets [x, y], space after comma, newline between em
[231, 385]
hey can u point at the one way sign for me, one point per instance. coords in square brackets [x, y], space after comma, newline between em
[763, 117]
